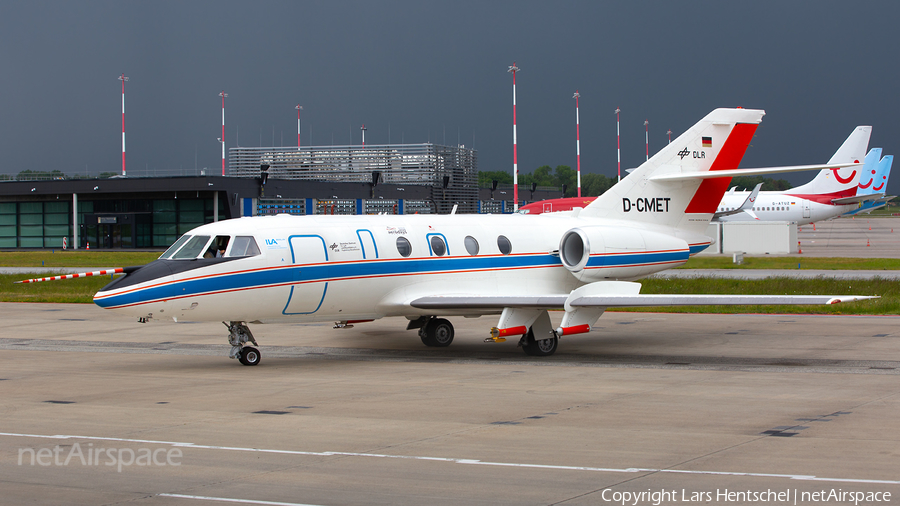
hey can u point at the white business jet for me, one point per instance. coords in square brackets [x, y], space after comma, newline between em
[350, 269]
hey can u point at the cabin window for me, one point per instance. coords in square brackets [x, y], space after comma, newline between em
[404, 247]
[471, 245]
[173, 248]
[194, 247]
[244, 246]
[437, 245]
[504, 245]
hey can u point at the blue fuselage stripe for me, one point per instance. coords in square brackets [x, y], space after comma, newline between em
[364, 269]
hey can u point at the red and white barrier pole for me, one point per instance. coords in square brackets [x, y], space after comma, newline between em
[117, 270]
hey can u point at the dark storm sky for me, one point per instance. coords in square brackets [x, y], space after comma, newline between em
[436, 70]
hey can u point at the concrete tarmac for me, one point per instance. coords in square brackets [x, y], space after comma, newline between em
[859, 237]
[676, 404]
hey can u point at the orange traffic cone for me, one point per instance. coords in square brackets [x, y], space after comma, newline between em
[799, 250]
[814, 227]
[867, 243]
[88, 245]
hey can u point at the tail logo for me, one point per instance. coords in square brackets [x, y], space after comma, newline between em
[843, 180]
[683, 153]
[872, 180]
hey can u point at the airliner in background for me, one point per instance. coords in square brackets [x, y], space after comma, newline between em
[426, 268]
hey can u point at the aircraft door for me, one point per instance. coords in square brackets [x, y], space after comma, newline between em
[367, 243]
[805, 208]
[309, 256]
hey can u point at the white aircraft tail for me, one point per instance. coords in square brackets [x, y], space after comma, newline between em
[716, 142]
[840, 182]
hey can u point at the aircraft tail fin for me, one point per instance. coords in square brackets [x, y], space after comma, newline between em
[870, 173]
[716, 142]
[840, 182]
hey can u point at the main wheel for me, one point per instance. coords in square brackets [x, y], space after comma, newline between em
[249, 356]
[438, 332]
[540, 348]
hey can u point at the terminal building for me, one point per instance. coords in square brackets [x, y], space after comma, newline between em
[151, 212]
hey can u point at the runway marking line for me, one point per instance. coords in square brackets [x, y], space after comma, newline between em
[228, 499]
[451, 460]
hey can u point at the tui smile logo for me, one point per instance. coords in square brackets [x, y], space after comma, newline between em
[683, 153]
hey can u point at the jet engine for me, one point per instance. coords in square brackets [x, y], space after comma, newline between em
[612, 253]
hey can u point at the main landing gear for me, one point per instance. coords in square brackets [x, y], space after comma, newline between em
[435, 332]
[238, 335]
[538, 347]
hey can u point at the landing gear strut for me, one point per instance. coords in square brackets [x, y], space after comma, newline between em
[437, 332]
[539, 347]
[238, 334]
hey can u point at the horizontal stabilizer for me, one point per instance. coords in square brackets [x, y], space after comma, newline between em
[749, 172]
[857, 199]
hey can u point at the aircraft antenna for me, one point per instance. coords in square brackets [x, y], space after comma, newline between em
[123, 79]
[513, 69]
[647, 136]
[618, 148]
[299, 108]
[222, 139]
[577, 140]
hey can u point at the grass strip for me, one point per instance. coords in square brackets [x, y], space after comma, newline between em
[817, 263]
[80, 258]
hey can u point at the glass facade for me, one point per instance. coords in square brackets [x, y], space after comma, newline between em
[124, 223]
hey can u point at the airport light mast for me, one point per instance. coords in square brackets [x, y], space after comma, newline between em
[222, 139]
[123, 78]
[363, 129]
[669, 133]
[618, 148]
[513, 69]
[299, 108]
[647, 136]
[577, 140]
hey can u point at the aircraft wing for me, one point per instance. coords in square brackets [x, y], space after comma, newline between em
[463, 302]
[857, 199]
[746, 206]
[682, 176]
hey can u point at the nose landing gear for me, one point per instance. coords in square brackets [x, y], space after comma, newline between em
[238, 334]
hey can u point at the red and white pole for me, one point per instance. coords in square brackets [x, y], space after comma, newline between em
[299, 108]
[222, 140]
[515, 69]
[123, 79]
[618, 147]
[578, 140]
[669, 133]
[363, 129]
[647, 136]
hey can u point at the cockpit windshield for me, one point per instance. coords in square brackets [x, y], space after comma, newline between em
[194, 247]
[189, 247]
[173, 248]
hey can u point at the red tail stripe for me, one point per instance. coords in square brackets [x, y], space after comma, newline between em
[709, 194]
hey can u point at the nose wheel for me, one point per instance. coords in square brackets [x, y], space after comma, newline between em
[249, 355]
[238, 335]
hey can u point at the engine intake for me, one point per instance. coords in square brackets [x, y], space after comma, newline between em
[604, 253]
